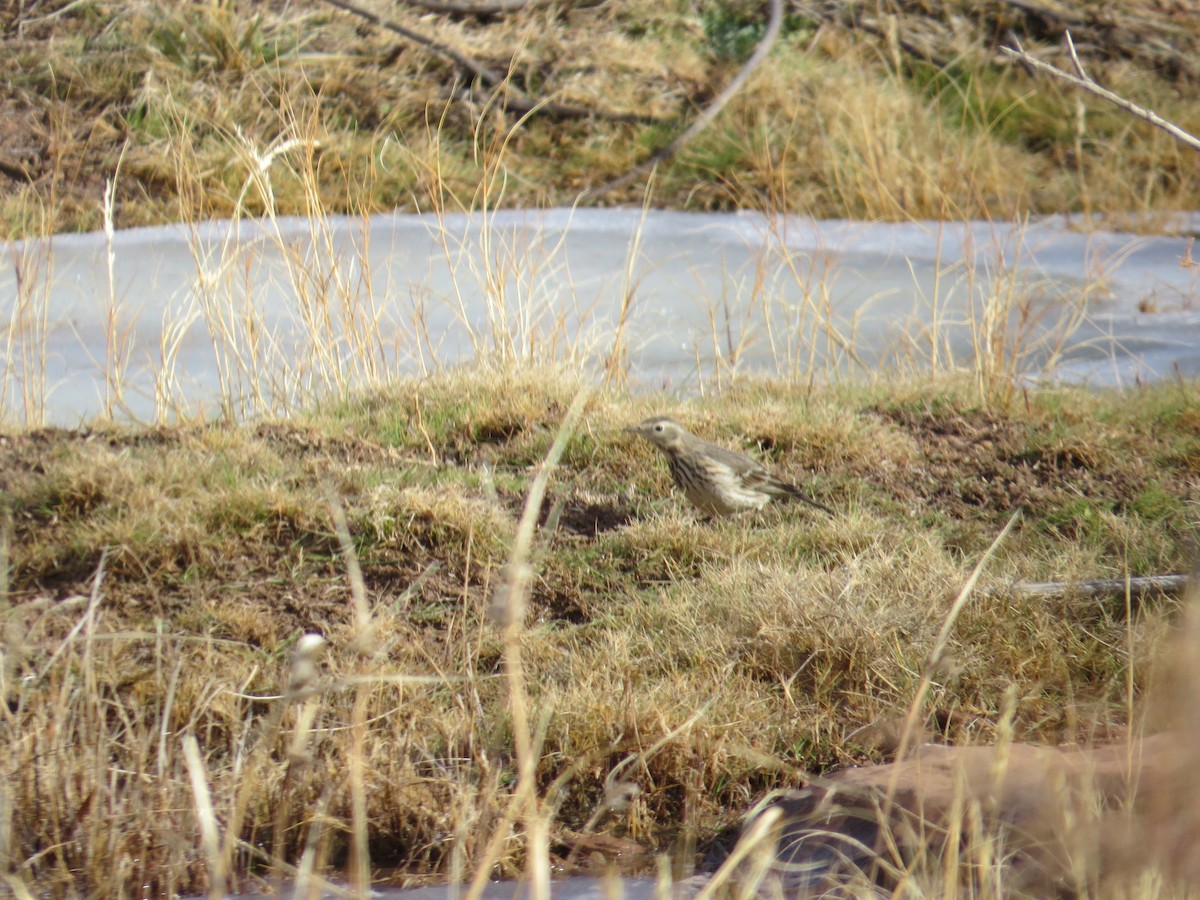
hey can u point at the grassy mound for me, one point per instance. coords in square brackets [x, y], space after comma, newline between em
[161, 581]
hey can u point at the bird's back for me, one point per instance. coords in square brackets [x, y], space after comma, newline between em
[738, 462]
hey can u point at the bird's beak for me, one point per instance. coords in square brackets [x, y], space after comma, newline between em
[633, 429]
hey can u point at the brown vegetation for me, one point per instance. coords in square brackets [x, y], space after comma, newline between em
[897, 112]
[160, 581]
[505, 685]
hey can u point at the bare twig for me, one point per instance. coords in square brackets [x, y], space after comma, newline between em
[1101, 587]
[1085, 82]
[1075, 58]
[479, 10]
[471, 65]
[774, 24]
[512, 98]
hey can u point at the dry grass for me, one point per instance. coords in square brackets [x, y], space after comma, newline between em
[487, 688]
[160, 581]
[175, 104]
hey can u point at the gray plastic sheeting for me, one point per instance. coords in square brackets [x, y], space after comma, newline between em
[266, 313]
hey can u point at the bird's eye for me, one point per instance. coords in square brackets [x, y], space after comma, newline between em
[658, 427]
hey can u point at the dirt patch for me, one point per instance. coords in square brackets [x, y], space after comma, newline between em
[588, 519]
[577, 516]
[580, 520]
[980, 466]
[497, 431]
[295, 440]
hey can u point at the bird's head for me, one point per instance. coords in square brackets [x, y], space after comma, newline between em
[662, 432]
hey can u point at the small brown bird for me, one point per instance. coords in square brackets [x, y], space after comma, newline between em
[720, 482]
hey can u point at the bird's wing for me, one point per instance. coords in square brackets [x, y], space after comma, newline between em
[743, 465]
[752, 473]
[756, 476]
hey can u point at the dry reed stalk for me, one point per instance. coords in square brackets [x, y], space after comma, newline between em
[510, 605]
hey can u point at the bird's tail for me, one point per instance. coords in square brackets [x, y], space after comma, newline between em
[794, 493]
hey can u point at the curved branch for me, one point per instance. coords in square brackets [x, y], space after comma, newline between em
[774, 26]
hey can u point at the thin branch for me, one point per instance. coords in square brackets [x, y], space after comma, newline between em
[1075, 58]
[476, 68]
[513, 99]
[1087, 83]
[1101, 587]
[774, 25]
[17, 171]
[481, 10]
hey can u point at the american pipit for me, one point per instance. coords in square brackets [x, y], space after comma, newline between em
[718, 481]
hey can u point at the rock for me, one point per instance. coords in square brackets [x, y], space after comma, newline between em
[1055, 820]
